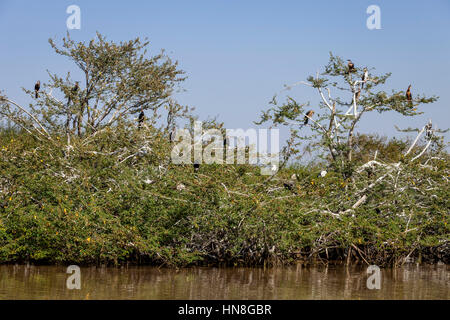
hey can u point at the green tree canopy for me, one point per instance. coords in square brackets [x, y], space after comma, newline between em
[344, 98]
[118, 80]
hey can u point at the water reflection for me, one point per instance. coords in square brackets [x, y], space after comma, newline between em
[296, 282]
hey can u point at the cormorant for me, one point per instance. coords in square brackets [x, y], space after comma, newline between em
[358, 93]
[429, 131]
[364, 77]
[37, 87]
[309, 114]
[73, 92]
[408, 94]
[351, 66]
[141, 119]
[76, 87]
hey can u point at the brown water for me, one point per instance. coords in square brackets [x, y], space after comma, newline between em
[297, 282]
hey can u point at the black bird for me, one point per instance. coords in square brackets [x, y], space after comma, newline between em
[37, 87]
[73, 92]
[196, 166]
[409, 95]
[289, 185]
[351, 66]
[309, 114]
[141, 119]
[76, 87]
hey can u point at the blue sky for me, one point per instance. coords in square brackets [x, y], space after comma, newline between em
[238, 54]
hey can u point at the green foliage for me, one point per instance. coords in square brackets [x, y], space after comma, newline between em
[118, 81]
[333, 127]
[97, 208]
[106, 192]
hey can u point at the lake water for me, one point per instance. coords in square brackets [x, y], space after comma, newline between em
[295, 282]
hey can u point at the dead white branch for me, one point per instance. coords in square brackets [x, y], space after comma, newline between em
[415, 141]
[423, 151]
[31, 116]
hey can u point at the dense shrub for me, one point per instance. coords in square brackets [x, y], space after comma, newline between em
[94, 208]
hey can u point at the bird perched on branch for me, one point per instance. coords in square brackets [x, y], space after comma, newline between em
[357, 94]
[141, 119]
[308, 116]
[73, 91]
[409, 95]
[429, 129]
[72, 94]
[37, 87]
[364, 77]
[351, 66]
[76, 87]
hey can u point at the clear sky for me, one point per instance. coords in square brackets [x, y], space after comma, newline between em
[238, 54]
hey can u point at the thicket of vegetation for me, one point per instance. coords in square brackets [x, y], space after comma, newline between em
[80, 182]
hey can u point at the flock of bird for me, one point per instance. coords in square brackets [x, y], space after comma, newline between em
[364, 78]
[308, 116]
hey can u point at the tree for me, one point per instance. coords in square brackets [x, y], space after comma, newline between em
[119, 80]
[334, 129]
[111, 193]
